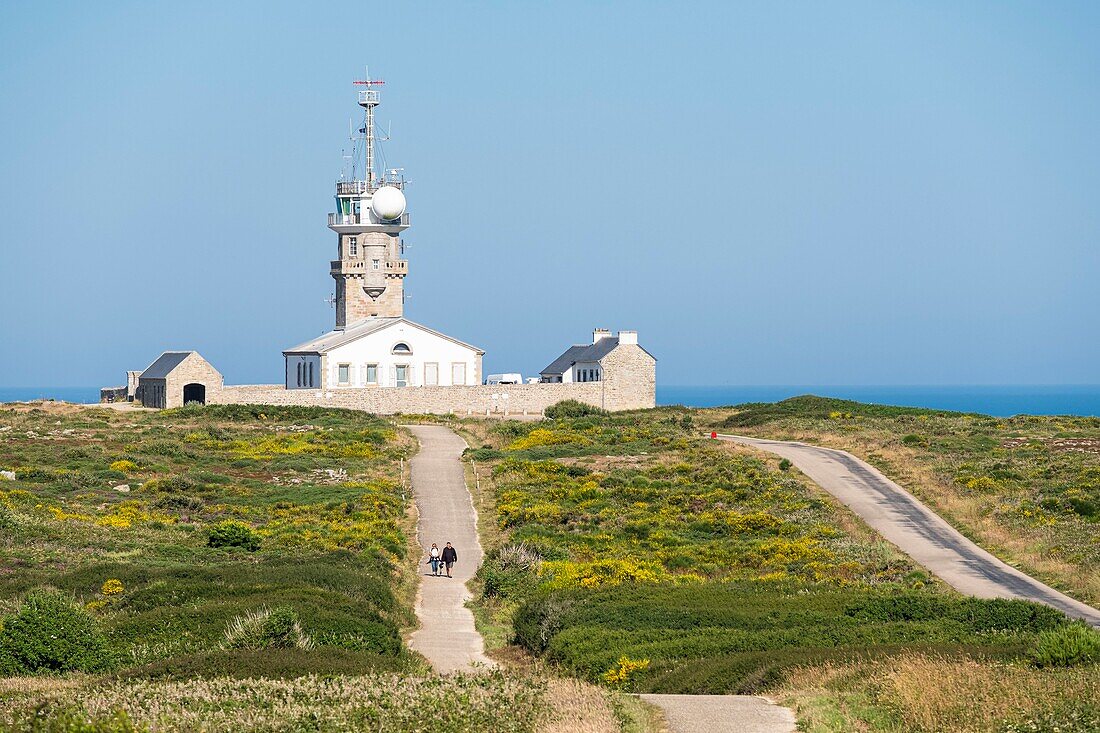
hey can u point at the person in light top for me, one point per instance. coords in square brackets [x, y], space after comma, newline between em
[433, 558]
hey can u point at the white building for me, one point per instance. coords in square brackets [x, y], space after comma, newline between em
[382, 352]
[373, 344]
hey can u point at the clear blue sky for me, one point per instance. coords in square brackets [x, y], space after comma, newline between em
[791, 193]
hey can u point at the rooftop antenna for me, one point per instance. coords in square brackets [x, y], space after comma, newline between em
[368, 100]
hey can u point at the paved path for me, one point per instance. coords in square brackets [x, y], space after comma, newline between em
[446, 636]
[736, 713]
[915, 529]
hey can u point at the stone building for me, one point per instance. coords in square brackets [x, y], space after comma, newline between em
[177, 378]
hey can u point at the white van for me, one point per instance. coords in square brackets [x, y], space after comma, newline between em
[512, 378]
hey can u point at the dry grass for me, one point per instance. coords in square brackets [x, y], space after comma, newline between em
[917, 692]
[578, 707]
[493, 702]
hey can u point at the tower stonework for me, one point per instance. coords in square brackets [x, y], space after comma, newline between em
[370, 277]
[370, 216]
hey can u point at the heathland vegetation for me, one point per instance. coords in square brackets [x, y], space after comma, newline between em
[251, 568]
[218, 568]
[630, 550]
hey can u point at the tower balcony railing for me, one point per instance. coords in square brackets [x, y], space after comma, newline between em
[356, 188]
[353, 219]
[392, 267]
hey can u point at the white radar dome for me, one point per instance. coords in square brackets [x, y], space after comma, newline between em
[388, 203]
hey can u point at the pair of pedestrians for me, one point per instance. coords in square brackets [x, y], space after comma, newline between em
[442, 559]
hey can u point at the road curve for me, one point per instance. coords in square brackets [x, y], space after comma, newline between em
[914, 528]
[447, 636]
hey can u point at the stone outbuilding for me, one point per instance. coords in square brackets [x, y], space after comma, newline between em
[177, 378]
[627, 372]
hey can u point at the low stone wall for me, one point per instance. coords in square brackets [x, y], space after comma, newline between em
[473, 400]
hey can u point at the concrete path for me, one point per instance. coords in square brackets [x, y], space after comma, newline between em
[738, 713]
[915, 529]
[446, 637]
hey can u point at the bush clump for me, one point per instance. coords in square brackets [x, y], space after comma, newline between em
[1068, 646]
[267, 629]
[232, 533]
[51, 633]
[568, 409]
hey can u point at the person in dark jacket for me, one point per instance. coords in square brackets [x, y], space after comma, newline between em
[449, 557]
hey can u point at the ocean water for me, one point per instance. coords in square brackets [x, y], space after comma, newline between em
[67, 394]
[1001, 401]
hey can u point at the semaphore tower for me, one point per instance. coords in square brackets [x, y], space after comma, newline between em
[370, 216]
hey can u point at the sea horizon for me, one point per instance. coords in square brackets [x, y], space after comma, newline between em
[996, 400]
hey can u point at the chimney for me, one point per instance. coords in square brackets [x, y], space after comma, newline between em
[628, 337]
[600, 333]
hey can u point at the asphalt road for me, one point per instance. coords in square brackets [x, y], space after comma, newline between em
[446, 637]
[915, 529]
[715, 713]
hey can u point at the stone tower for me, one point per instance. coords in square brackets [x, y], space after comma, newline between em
[370, 216]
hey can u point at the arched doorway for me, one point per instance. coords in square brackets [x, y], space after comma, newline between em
[194, 393]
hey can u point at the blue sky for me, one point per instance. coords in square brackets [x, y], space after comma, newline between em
[770, 193]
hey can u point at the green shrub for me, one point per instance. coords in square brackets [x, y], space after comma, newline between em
[232, 533]
[267, 629]
[978, 614]
[785, 465]
[567, 409]
[1068, 646]
[50, 633]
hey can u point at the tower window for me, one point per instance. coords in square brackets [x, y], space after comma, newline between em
[353, 246]
[374, 264]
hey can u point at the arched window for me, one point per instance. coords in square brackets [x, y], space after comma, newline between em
[401, 348]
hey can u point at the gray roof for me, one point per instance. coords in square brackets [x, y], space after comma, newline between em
[581, 353]
[333, 339]
[164, 364]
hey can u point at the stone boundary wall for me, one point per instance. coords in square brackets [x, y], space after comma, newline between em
[474, 400]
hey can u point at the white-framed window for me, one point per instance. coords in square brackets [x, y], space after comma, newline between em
[353, 246]
[343, 374]
[458, 372]
[370, 374]
[374, 264]
[401, 375]
[401, 348]
[431, 374]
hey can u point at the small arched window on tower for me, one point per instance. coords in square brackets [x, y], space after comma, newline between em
[401, 348]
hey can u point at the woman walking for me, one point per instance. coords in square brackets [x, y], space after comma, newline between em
[449, 557]
[433, 558]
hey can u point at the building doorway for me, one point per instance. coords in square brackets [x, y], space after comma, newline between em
[194, 393]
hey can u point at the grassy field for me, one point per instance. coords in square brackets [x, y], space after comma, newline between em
[1027, 488]
[631, 551]
[251, 568]
[226, 567]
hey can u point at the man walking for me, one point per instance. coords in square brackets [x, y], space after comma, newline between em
[449, 557]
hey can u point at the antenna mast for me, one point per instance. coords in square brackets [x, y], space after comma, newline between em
[368, 100]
